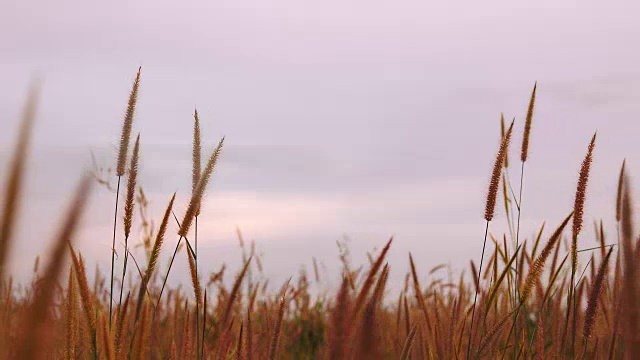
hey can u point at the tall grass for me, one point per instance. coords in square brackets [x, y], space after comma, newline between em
[123, 153]
[505, 309]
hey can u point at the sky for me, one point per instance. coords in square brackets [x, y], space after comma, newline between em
[358, 119]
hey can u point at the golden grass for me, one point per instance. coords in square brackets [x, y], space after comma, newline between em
[519, 312]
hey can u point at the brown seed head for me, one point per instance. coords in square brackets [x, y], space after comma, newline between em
[594, 295]
[502, 134]
[619, 193]
[538, 264]
[527, 125]
[578, 207]
[369, 282]
[494, 183]
[131, 189]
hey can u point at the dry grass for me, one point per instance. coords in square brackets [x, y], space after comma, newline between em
[515, 316]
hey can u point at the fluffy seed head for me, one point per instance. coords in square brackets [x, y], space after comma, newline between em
[127, 125]
[155, 254]
[594, 295]
[157, 245]
[527, 125]
[369, 281]
[197, 195]
[502, 134]
[578, 207]
[196, 154]
[195, 280]
[538, 265]
[131, 188]
[494, 183]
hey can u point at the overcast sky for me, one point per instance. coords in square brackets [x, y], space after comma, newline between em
[359, 118]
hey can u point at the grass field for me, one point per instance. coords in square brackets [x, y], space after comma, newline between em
[526, 297]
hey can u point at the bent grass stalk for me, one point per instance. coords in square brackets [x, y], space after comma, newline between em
[194, 205]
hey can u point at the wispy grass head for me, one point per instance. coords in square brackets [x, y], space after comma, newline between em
[155, 254]
[196, 197]
[127, 126]
[131, 188]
